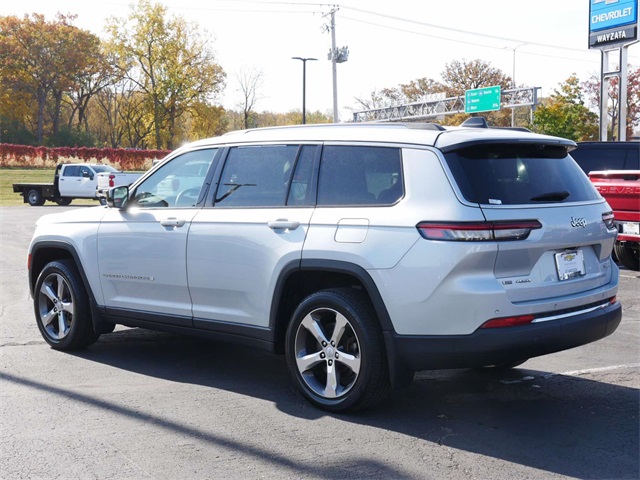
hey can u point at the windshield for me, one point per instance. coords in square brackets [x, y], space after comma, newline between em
[508, 174]
[103, 168]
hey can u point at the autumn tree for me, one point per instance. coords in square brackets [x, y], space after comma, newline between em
[250, 83]
[375, 100]
[41, 59]
[565, 114]
[121, 117]
[97, 75]
[414, 91]
[169, 60]
[235, 119]
[457, 77]
[207, 120]
[592, 87]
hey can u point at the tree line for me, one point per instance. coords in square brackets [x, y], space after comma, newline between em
[154, 82]
[570, 111]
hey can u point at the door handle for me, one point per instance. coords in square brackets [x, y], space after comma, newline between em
[283, 223]
[172, 222]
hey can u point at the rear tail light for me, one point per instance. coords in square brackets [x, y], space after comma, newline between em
[478, 231]
[111, 181]
[508, 321]
[607, 219]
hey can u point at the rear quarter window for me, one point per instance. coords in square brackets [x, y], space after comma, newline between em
[506, 174]
[360, 175]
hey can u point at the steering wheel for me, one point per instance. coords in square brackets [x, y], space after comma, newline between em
[187, 197]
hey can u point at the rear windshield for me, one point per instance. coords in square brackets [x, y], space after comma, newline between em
[104, 168]
[505, 174]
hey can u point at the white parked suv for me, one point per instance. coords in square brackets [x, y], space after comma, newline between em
[362, 252]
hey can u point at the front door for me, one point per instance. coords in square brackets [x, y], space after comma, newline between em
[142, 248]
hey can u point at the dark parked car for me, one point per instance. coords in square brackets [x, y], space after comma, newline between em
[598, 156]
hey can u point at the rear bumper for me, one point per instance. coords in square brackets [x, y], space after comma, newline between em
[501, 345]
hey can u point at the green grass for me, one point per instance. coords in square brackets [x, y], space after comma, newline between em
[9, 176]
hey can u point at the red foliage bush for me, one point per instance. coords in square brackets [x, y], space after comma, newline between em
[125, 159]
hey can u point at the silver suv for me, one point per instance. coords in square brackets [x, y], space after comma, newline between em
[362, 252]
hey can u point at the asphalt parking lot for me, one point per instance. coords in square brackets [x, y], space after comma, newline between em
[141, 404]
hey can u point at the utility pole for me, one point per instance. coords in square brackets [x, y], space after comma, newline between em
[333, 64]
[336, 55]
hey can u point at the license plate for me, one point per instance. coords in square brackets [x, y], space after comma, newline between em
[631, 228]
[570, 265]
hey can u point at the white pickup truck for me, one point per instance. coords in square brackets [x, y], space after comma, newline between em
[74, 180]
[107, 180]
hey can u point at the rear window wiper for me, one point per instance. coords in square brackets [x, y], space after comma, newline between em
[551, 196]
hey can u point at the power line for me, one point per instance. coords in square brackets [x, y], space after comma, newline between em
[475, 44]
[458, 30]
[396, 18]
[430, 25]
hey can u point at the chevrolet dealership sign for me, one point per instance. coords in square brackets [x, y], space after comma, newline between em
[612, 22]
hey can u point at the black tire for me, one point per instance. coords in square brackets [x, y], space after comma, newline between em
[103, 201]
[322, 352]
[63, 201]
[34, 198]
[61, 306]
[627, 255]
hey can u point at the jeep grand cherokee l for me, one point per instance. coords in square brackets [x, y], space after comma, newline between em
[362, 252]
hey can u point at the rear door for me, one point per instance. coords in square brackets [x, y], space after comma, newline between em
[569, 251]
[257, 227]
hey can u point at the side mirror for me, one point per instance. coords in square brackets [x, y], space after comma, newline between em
[117, 197]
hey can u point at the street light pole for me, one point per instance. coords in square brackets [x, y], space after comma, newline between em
[304, 86]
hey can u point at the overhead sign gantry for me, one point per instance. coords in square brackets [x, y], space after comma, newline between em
[432, 108]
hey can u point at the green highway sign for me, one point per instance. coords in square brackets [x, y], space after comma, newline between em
[482, 99]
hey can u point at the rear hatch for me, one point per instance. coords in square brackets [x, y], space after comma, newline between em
[553, 230]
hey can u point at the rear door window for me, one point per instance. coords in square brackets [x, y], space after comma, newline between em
[302, 191]
[505, 174]
[257, 176]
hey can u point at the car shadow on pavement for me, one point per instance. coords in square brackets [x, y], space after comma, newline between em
[566, 425]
